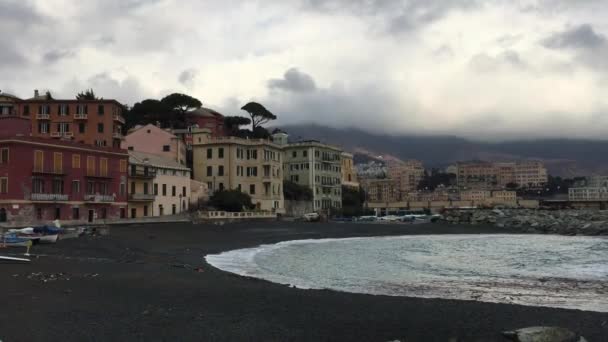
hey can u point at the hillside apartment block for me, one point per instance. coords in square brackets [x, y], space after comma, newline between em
[252, 166]
[482, 175]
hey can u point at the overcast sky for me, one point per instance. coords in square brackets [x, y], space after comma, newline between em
[490, 69]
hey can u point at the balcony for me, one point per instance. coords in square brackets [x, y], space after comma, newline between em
[99, 198]
[118, 118]
[49, 197]
[142, 174]
[142, 197]
[54, 172]
[81, 116]
[62, 134]
[43, 116]
[93, 175]
[117, 135]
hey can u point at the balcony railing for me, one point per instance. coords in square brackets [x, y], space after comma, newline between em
[150, 174]
[142, 197]
[42, 171]
[81, 116]
[43, 116]
[118, 118]
[117, 135]
[99, 198]
[48, 197]
[62, 134]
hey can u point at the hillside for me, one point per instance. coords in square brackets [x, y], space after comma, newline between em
[564, 157]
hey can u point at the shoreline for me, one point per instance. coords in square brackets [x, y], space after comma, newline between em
[151, 282]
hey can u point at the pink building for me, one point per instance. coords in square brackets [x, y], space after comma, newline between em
[157, 141]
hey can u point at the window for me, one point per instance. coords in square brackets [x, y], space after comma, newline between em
[173, 191]
[220, 170]
[145, 210]
[221, 186]
[123, 189]
[123, 166]
[132, 187]
[209, 153]
[252, 189]
[305, 153]
[64, 110]
[75, 213]
[209, 171]
[220, 153]
[63, 127]
[166, 148]
[44, 109]
[38, 161]
[100, 109]
[39, 213]
[294, 154]
[57, 186]
[4, 156]
[82, 127]
[26, 110]
[4, 185]
[145, 188]
[75, 161]
[99, 128]
[81, 109]
[184, 191]
[239, 187]
[164, 189]
[173, 209]
[43, 127]
[90, 188]
[90, 166]
[103, 167]
[75, 187]
[155, 189]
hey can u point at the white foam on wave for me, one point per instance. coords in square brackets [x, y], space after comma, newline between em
[430, 269]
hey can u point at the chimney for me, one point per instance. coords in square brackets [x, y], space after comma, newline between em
[36, 93]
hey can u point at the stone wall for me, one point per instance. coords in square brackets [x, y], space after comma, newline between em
[565, 222]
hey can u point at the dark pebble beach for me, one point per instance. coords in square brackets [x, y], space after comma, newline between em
[151, 283]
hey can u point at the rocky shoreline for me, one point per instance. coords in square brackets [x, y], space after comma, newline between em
[563, 222]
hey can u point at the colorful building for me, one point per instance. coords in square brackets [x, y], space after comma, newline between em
[208, 119]
[155, 140]
[42, 180]
[92, 122]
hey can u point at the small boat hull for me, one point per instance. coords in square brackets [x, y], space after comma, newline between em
[47, 239]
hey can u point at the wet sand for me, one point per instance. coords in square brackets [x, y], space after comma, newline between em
[151, 283]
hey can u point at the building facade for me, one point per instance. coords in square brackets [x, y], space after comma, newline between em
[380, 190]
[158, 186]
[92, 122]
[252, 166]
[588, 194]
[531, 174]
[319, 167]
[482, 175]
[155, 140]
[477, 176]
[407, 174]
[349, 174]
[207, 118]
[42, 180]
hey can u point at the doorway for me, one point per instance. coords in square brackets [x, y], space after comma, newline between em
[2, 215]
[91, 215]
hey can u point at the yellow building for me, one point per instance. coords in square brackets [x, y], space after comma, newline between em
[349, 175]
[380, 190]
[253, 166]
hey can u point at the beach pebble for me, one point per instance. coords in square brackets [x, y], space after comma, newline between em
[543, 334]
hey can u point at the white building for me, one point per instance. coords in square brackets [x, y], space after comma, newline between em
[588, 194]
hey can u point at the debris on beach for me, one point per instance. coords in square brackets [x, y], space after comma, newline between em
[48, 277]
[543, 334]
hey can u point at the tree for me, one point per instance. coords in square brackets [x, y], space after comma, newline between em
[231, 200]
[149, 111]
[259, 114]
[88, 94]
[48, 95]
[234, 123]
[511, 186]
[179, 105]
[352, 201]
[296, 192]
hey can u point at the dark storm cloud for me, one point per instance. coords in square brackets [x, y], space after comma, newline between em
[578, 37]
[54, 56]
[293, 80]
[187, 77]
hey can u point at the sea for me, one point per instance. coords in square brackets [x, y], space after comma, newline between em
[534, 270]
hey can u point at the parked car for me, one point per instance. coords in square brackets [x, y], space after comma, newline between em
[367, 219]
[311, 217]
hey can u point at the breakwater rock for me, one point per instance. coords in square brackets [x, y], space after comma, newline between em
[564, 222]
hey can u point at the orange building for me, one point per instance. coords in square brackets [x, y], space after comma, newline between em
[91, 122]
